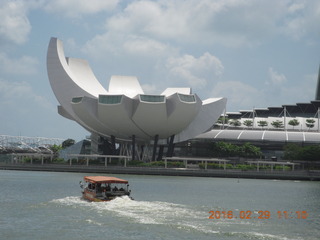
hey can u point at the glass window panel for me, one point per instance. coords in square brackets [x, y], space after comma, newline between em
[110, 99]
[186, 98]
[76, 99]
[152, 98]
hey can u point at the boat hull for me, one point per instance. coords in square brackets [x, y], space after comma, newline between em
[92, 197]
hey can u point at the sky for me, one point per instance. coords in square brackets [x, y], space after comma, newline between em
[255, 53]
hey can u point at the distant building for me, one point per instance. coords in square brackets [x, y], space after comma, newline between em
[262, 131]
[81, 147]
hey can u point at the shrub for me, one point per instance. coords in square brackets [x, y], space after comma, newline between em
[134, 163]
[58, 160]
[245, 167]
[286, 168]
[175, 164]
[26, 160]
[214, 166]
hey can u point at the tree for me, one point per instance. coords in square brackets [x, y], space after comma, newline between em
[277, 124]
[235, 122]
[310, 123]
[294, 122]
[291, 151]
[223, 149]
[67, 143]
[223, 120]
[262, 124]
[55, 148]
[248, 123]
[250, 151]
[296, 152]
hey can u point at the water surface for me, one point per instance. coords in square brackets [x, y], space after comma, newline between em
[46, 205]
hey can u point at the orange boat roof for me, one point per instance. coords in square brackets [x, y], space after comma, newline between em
[104, 179]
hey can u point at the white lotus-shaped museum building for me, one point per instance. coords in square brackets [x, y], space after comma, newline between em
[124, 111]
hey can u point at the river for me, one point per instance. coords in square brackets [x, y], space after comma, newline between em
[47, 205]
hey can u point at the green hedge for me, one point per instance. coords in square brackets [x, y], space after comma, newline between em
[286, 168]
[245, 167]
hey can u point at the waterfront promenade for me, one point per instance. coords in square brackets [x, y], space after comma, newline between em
[309, 175]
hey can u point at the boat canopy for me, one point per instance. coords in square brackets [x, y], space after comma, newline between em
[104, 179]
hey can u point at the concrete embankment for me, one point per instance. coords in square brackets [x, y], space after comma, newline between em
[284, 175]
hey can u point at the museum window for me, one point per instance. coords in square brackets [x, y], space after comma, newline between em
[110, 99]
[187, 98]
[76, 99]
[152, 98]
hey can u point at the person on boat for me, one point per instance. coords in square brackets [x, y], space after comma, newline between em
[108, 188]
[104, 193]
[115, 189]
[99, 189]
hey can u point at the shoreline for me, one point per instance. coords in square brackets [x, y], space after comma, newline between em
[279, 175]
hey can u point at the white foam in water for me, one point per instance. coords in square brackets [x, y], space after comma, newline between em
[94, 222]
[178, 216]
[147, 212]
[144, 212]
[270, 236]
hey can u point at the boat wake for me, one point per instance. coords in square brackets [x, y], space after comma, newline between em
[139, 211]
[175, 216]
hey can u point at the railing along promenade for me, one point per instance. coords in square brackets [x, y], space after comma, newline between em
[187, 170]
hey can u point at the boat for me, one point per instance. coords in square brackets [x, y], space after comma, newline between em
[104, 188]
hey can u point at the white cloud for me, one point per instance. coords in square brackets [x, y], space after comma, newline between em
[20, 96]
[14, 25]
[301, 91]
[195, 71]
[295, 7]
[301, 20]
[150, 89]
[239, 95]
[119, 44]
[276, 78]
[103, 45]
[163, 19]
[232, 23]
[24, 112]
[144, 46]
[76, 8]
[25, 65]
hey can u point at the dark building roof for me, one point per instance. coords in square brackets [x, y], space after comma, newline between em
[295, 110]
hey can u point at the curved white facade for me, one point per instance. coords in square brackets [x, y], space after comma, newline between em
[125, 110]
